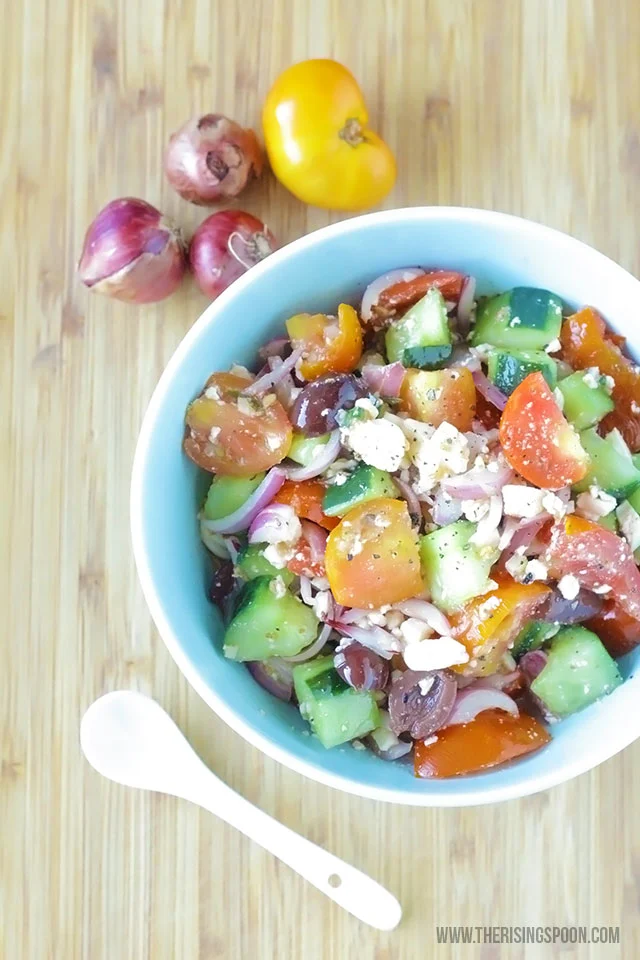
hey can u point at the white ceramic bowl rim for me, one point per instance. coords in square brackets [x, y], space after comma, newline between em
[463, 792]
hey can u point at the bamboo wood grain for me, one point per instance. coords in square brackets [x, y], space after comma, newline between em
[528, 106]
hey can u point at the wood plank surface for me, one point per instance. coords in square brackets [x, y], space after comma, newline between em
[526, 106]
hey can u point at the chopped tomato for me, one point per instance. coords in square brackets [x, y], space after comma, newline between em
[329, 344]
[487, 625]
[372, 556]
[404, 294]
[231, 434]
[596, 557]
[492, 738]
[304, 563]
[305, 497]
[586, 342]
[434, 396]
[536, 438]
[619, 632]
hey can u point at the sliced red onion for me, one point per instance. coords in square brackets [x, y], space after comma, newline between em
[274, 675]
[314, 649]
[533, 663]
[243, 517]
[488, 390]
[214, 542]
[427, 612]
[477, 484]
[233, 546]
[316, 537]
[474, 700]
[375, 288]
[272, 524]
[409, 495]
[275, 375]
[465, 304]
[351, 614]
[375, 638]
[274, 348]
[306, 593]
[524, 534]
[462, 357]
[384, 380]
[328, 453]
[499, 681]
[445, 509]
[285, 390]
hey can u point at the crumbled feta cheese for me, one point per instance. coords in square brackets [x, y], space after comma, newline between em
[601, 588]
[522, 501]
[559, 397]
[629, 524]
[569, 586]
[368, 407]
[413, 630]
[214, 433]
[393, 619]
[486, 534]
[282, 537]
[486, 609]
[554, 347]
[277, 587]
[595, 503]
[239, 371]
[535, 570]
[212, 393]
[338, 467]
[378, 443]
[340, 479]
[445, 453]
[430, 740]
[322, 604]
[475, 510]
[482, 351]
[358, 745]
[609, 384]
[435, 654]
[556, 506]
[517, 564]
[246, 406]
[279, 554]
[592, 377]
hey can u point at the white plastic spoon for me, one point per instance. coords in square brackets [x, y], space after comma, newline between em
[129, 738]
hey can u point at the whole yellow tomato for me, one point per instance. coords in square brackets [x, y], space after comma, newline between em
[318, 142]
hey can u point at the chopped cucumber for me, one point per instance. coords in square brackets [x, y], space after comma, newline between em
[423, 325]
[609, 521]
[627, 516]
[304, 450]
[509, 368]
[428, 358]
[266, 624]
[252, 563]
[454, 569]
[365, 483]
[532, 636]
[227, 494]
[584, 405]
[337, 713]
[524, 318]
[611, 466]
[579, 671]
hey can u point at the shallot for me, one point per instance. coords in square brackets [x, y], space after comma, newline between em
[225, 246]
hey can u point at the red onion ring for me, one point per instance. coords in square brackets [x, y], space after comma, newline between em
[525, 532]
[325, 458]
[243, 517]
[270, 521]
[427, 612]
[375, 288]
[275, 376]
[384, 380]
[375, 638]
[488, 390]
[409, 495]
[273, 675]
[316, 537]
[310, 652]
[465, 304]
[273, 348]
[477, 484]
[306, 593]
[474, 700]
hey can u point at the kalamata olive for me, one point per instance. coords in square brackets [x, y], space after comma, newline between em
[361, 668]
[314, 411]
[560, 610]
[222, 584]
[420, 703]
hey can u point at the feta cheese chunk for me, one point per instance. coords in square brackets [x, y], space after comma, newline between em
[569, 586]
[377, 443]
[554, 347]
[629, 524]
[555, 505]
[522, 501]
[282, 537]
[435, 654]
[595, 503]
[413, 630]
[444, 453]
[322, 604]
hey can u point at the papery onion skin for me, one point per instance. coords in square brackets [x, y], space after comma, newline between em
[132, 252]
[225, 246]
[211, 159]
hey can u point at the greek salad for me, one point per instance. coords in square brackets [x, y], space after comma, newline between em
[424, 517]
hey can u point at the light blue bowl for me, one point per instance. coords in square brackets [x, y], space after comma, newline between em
[313, 274]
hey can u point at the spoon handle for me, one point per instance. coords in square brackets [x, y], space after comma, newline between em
[344, 884]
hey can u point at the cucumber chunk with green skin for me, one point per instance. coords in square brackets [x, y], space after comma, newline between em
[304, 450]
[427, 358]
[266, 624]
[579, 671]
[525, 318]
[227, 494]
[609, 522]
[453, 569]
[507, 369]
[365, 483]
[336, 712]
[423, 325]
[252, 563]
[584, 404]
[532, 636]
[611, 466]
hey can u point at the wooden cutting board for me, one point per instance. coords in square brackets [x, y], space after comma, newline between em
[527, 106]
